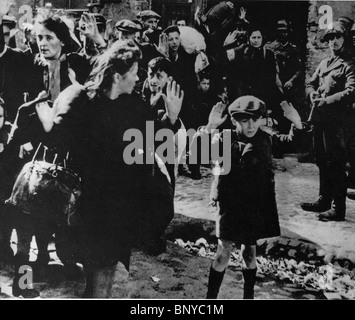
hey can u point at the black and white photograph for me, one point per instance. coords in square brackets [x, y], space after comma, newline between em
[177, 154]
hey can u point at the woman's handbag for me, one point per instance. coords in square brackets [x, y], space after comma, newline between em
[48, 191]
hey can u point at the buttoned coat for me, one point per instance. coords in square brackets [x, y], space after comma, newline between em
[334, 80]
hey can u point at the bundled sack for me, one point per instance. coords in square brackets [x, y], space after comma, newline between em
[48, 191]
[192, 40]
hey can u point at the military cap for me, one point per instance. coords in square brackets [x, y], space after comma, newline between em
[337, 27]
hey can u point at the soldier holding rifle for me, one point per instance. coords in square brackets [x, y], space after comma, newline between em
[331, 90]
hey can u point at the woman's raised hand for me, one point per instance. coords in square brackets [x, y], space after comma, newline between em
[231, 37]
[242, 14]
[88, 26]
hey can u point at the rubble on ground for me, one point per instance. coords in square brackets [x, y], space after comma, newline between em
[333, 280]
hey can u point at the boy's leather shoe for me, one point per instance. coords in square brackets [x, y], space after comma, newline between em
[318, 206]
[332, 215]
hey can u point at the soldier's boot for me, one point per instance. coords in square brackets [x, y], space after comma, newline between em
[324, 201]
[337, 212]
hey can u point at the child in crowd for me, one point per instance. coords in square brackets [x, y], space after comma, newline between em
[246, 195]
[160, 74]
[160, 71]
[205, 98]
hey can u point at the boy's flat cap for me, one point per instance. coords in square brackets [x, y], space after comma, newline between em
[247, 105]
[127, 26]
[146, 14]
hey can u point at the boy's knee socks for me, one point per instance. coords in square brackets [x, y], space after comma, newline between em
[214, 283]
[249, 282]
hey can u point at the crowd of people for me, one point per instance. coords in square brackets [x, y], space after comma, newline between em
[74, 88]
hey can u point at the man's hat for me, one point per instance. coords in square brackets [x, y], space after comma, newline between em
[127, 26]
[95, 3]
[9, 21]
[337, 27]
[146, 14]
[247, 105]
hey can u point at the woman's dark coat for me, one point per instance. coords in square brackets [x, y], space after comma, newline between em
[120, 199]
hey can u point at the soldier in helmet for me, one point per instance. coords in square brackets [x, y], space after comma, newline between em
[331, 91]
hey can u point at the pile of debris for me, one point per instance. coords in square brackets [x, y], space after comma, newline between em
[333, 280]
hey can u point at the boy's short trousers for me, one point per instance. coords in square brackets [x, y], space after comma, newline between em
[226, 230]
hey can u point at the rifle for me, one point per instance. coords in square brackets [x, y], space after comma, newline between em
[309, 121]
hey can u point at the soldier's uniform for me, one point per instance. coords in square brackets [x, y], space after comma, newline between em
[290, 65]
[334, 81]
[290, 69]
